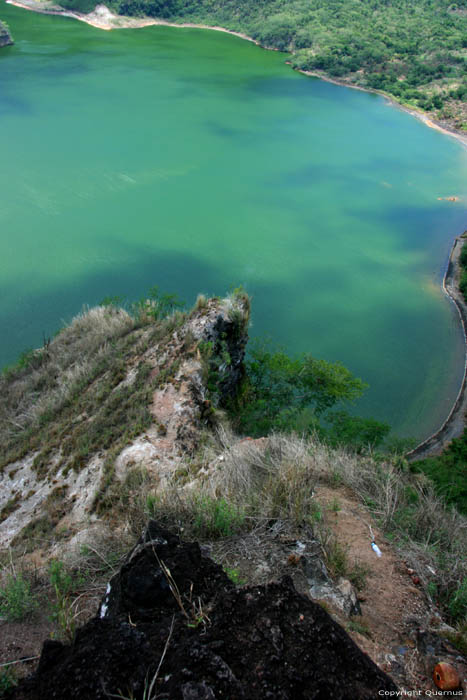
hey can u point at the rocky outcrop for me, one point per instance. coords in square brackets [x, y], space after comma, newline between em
[5, 36]
[340, 595]
[117, 395]
[172, 621]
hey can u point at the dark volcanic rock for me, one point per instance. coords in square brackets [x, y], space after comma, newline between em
[141, 590]
[241, 644]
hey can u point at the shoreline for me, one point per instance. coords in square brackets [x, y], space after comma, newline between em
[103, 18]
[421, 116]
[454, 424]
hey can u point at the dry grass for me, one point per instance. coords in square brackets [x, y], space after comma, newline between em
[237, 305]
[44, 378]
[273, 480]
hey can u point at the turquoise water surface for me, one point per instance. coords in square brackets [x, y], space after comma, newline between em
[197, 161]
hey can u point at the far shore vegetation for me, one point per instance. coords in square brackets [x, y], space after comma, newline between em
[463, 271]
[413, 50]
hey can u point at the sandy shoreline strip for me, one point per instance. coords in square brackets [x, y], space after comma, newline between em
[454, 424]
[103, 18]
[410, 110]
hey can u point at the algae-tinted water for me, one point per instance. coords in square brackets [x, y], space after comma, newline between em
[196, 161]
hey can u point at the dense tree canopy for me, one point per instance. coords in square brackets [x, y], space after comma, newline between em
[298, 394]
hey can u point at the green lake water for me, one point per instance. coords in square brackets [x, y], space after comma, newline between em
[197, 161]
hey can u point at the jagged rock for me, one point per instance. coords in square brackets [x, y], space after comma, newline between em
[253, 643]
[142, 591]
[350, 603]
[341, 595]
[5, 36]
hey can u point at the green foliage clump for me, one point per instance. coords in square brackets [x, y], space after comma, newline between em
[7, 680]
[63, 584]
[447, 471]
[17, 601]
[157, 305]
[216, 518]
[458, 602]
[84, 6]
[463, 271]
[296, 394]
[356, 432]
[234, 576]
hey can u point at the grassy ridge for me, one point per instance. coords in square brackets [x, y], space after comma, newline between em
[415, 50]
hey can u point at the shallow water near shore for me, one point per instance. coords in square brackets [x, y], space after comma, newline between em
[197, 161]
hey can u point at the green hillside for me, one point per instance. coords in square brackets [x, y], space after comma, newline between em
[415, 50]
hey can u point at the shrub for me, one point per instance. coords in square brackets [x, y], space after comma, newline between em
[448, 473]
[16, 599]
[359, 433]
[7, 680]
[458, 602]
[216, 517]
[463, 256]
[157, 305]
[463, 284]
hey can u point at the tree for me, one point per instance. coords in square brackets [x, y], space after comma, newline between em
[279, 389]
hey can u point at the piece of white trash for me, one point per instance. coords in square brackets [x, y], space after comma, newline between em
[376, 549]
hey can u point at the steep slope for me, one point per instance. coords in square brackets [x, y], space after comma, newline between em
[110, 392]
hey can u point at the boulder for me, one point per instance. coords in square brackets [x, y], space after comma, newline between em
[172, 618]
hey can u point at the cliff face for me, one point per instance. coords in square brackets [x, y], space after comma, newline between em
[108, 395]
[5, 36]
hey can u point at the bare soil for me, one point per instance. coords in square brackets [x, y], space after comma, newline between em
[400, 629]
